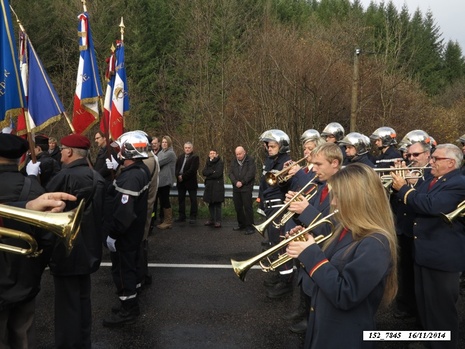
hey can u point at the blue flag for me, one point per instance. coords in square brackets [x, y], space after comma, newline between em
[11, 90]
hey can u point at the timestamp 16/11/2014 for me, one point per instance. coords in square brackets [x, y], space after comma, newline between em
[406, 335]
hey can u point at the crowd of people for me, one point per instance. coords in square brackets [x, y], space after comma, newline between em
[387, 239]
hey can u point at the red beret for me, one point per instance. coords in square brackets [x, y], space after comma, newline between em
[76, 141]
[12, 146]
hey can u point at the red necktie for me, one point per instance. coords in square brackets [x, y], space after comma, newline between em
[432, 183]
[324, 193]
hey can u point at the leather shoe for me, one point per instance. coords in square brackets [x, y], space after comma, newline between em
[238, 228]
[217, 225]
[279, 290]
[208, 223]
[296, 315]
[249, 231]
[299, 327]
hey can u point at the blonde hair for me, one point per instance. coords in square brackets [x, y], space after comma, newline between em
[364, 209]
[168, 140]
[331, 151]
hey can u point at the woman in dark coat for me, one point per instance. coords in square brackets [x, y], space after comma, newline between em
[355, 271]
[214, 188]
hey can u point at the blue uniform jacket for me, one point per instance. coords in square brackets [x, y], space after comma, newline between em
[346, 287]
[438, 245]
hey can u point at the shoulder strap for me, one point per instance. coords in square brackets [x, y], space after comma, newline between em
[26, 189]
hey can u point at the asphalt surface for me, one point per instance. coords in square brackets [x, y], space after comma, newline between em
[196, 300]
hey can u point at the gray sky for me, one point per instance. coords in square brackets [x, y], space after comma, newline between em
[448, 14]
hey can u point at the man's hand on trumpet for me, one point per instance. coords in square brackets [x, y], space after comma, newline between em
[295, 248]
[298, 204]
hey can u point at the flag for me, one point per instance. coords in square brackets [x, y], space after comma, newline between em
[110, 78]
[119, 96]
[88, 87]
[43, 104]
[11, 90]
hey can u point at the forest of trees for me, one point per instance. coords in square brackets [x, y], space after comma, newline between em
[220, 72]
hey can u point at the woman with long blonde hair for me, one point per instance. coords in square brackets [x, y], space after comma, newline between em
[356, 270]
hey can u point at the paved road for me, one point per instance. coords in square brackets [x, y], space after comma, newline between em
[196, 300]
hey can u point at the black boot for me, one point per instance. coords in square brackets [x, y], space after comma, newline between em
[301, 312]
[127, 314]
[299, 327]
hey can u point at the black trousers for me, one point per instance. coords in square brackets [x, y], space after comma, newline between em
[17, 328]
[243, 204]
[124, 272]
[182, 191]
[405, 300]
[437, 294]
[73, 311]
[215, 211]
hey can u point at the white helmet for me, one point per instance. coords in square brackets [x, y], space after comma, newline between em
[386, 134]
[277, 136]
[357, 140]
[310, 135]
[133, 145]
[334, 129]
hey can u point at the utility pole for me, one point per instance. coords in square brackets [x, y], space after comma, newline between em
[355, 83]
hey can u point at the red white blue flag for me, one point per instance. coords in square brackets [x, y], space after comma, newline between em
[119, 95]
[44, 105]
[110, 79]
[88, 87]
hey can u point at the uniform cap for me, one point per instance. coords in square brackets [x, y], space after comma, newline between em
[12, 146]
[76, 141]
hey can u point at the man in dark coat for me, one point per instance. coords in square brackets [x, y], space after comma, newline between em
[214, 187]
[186, 169]
[439, 247]
[242, 176]
[49, 167]
[71, 273]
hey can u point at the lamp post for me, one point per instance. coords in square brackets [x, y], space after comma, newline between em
[355, 83]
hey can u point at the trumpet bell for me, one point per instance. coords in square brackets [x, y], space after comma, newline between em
[65, 225]
[458, 212]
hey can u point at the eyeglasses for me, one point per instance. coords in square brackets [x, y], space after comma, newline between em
[437, 158]
[415, 155]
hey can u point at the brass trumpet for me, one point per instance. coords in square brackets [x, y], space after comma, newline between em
[261, 227]
[66, 225]
[458, 212]
[415, 172]
[242, 267]
[275, 177]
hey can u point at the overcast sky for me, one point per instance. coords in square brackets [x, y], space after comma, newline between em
[448, 14]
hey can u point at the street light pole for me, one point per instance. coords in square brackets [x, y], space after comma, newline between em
[355, 83]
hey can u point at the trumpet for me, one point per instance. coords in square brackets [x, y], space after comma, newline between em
[242, 267]
[66, 225]
[275, 177]
[415, 172]
[261, 227]
[458, 212]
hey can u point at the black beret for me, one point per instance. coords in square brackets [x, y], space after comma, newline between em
[12, 146]
[75, 141]
[40, 139]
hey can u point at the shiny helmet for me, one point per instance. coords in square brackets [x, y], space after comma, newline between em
[415, 136]
[361, 142]
[279, 137]
[461, 139]
[310, 135]
[133, 145]
[386, 134]
[334, 129]
[433, 142]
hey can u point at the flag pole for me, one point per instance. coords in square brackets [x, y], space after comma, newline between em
[30, 141]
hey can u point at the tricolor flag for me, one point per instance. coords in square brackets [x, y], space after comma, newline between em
[119, 96]
[110, 79]
[88, 87]
[44, 105]
[12, 100]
